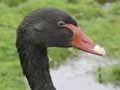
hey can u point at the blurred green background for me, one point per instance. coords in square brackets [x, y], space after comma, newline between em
[100, 20]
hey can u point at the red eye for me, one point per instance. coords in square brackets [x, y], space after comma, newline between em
[61, 23]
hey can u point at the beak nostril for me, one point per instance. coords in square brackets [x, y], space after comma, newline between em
[84, 40]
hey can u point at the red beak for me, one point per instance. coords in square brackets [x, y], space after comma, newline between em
[81, 41]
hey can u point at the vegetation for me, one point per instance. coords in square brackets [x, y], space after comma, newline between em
[112, 73]
[101, 24]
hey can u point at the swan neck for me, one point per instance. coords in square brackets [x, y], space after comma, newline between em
[35, 65]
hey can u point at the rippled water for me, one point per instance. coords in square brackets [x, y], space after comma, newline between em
[75, 73]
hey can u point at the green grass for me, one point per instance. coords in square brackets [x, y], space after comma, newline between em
[112, 73]
[100, 25]
[11, 76]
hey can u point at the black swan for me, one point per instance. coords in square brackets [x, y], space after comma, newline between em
[48, 27]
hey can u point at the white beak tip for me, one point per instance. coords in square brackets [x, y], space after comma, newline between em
[100, 50]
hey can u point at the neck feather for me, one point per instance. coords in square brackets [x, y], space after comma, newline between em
[35, 65]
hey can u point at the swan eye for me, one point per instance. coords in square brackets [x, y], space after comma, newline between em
[61, 23]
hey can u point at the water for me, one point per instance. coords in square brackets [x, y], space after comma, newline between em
[106, 3]
[75, 73]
